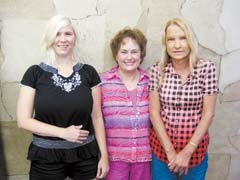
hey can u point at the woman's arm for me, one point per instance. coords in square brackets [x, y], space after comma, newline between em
[25, 120]
[209, 103]
[98, 124]
[182, 160]
[158, 125]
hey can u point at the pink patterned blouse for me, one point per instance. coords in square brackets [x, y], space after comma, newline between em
[126, 116]
[181, 106]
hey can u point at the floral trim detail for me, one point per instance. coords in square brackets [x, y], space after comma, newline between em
[67, 85]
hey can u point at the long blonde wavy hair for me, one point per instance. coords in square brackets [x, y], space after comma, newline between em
[192, 42]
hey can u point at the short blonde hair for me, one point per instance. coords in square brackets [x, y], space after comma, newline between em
[51, 30]
[192, 42]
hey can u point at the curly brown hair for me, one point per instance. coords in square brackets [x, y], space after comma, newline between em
[134, 34]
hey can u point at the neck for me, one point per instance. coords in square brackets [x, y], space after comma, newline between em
[64, 61]
[64, 65]
[181, 65]
[129, 79]
[128, 76]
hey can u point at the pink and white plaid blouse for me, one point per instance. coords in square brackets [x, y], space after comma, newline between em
[181, 106]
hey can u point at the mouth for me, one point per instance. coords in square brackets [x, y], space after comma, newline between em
[177, 52]
[62, 46]
[129, 63]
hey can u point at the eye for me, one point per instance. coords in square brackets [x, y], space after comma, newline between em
[69, 33]
[58, 34]
[123, 52]
[135, 51]
[183, 38]
[170, 39]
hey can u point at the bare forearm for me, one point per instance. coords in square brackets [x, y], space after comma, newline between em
[202, 129]
[98, 123]
[157, 122]
[161, 132]
[40, 128]
[205, 122]
[100, 136]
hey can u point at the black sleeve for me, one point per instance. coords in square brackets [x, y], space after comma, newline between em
[30, 77]
[92, 76]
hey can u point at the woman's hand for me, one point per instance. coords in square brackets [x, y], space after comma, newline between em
[103, 167]
[171, 155]
[181, 162]
[75, 134]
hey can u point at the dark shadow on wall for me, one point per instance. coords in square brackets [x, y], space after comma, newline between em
[3, 167]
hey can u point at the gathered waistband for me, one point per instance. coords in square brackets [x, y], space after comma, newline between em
[60, 144]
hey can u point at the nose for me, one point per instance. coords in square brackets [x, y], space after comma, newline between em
[129, 55]
[177, 44]
[62, 38]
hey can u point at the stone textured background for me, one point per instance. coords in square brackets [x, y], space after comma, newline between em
[215, 23]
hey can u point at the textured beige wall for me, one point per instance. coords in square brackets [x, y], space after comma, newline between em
[214, 21]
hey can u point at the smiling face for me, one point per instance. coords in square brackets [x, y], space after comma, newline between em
[176, 43]
[64, 42]
[129, 55]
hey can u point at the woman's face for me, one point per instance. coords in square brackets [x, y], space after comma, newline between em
[176, 43]
[129, 55]
[64, 42]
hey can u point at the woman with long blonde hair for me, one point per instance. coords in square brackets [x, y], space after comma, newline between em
[182, 92]
[59, 103]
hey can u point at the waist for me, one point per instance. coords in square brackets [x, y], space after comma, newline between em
[60, 144]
